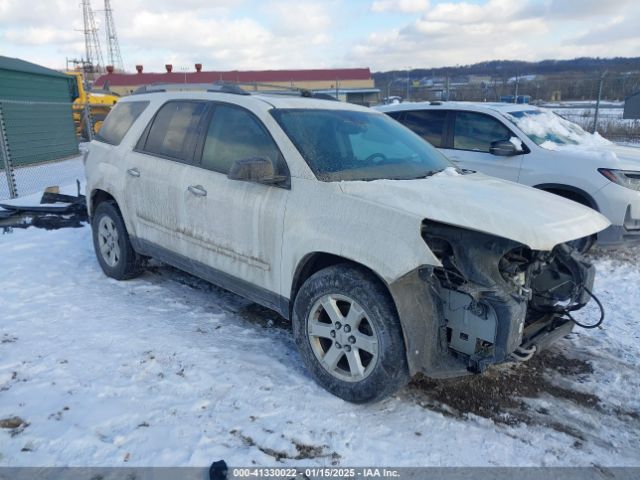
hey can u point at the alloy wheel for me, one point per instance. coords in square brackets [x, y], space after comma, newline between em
[342, 337]
[108, 241]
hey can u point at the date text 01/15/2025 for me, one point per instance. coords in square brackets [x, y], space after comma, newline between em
[314, 472]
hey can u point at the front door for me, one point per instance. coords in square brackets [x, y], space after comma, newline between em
[472, 136]
[235, 227]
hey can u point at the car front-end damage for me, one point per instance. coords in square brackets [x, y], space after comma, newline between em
[492, 300]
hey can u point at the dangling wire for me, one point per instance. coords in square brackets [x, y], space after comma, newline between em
[567, 312]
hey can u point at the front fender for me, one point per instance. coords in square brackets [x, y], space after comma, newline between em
[390, 248]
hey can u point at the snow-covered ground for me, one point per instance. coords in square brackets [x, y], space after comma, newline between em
[169, 370]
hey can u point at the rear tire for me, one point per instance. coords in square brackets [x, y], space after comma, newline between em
[348, 332]
[111, 242]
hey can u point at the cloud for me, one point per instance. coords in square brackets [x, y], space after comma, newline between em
[494, 11]
[40, 36]
[454, 33]
[297, 18]
[616, 30]
[381, 34]
[220, 42]
[575, 9]
[403, 6]
[464, 32]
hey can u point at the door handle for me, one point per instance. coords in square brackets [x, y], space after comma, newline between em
[134, 172]
[454, 159]
[197, 190]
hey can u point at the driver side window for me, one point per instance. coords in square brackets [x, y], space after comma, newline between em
[235, 134]
[477, 131]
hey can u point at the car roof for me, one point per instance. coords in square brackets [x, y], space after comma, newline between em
[267, 100]
[469, 106]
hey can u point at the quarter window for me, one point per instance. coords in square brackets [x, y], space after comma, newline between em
[235, 134]
[174, 129]
[428, 124]
[476, 131]
[119, 121]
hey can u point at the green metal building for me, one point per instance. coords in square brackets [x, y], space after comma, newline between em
[35, 111]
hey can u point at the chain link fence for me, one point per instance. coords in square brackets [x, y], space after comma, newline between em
[41, 145]
[610, 123]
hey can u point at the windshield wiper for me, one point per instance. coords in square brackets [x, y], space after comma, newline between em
[422, 175]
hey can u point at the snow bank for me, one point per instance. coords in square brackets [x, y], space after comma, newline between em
[449, 172]
[552, 132]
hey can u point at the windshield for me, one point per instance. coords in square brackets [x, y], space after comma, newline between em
[551, 131]
[352, 145]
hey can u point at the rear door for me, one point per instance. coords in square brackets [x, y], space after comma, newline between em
[155, 172]
[469, 140]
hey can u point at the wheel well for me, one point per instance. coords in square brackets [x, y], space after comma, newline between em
[314, 262]
[570, 193]
[99, 196]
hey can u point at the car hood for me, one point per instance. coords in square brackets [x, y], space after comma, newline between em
[627, 157]
[604, 156]
[534, 218]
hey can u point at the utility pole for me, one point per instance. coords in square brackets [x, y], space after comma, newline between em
[115, 58]
[515, 97]
[91, 40]
[595, 117]
[447, 86]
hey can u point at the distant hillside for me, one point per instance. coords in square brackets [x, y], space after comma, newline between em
[512, 67]
[576, 79]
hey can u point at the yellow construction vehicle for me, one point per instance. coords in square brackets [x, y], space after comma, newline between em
[96, 102]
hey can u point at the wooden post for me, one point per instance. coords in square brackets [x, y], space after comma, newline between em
[595, 117]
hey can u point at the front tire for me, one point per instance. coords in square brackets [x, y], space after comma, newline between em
[111, 242]
[348, 332]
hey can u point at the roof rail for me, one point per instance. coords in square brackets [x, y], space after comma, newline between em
[298, 92]
[232, 87]
[228, 88]
[190, 87]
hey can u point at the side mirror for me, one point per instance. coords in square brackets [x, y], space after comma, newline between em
[256, 169]
[503, 148]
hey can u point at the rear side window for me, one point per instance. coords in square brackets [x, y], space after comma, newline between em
[119, 121]
[235, 134]
[477, 131]
[173, 131]
[429, 124]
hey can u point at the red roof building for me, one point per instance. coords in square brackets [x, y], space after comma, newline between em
[125, 83]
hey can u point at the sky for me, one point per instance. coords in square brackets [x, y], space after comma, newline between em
[296, 34]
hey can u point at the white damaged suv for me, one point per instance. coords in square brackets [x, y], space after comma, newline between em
[387, 259]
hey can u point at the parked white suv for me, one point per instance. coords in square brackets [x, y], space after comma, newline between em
[387, 260]
[535, 147]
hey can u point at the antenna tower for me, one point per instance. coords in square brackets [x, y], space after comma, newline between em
[115, 58]
[91, 40]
